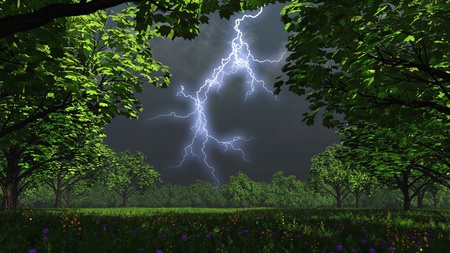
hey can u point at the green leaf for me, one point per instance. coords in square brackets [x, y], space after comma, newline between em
[409, 38]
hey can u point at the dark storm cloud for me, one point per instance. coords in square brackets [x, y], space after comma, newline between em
[282, 141]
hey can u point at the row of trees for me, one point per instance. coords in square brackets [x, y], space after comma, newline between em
[281, 191]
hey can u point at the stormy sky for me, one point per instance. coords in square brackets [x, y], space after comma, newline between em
[282, 141]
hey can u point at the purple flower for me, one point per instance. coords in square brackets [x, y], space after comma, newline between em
[226, 228]
[391, 249]
[24, 226]
[197, 235]
[372, 250]
[239, 233]
[208, 236]
[339, 248]
[78, 234]
[45, 239]
[159, 251]
[349, 235]
[141, 250]
[184, 238]
[222, 245]
[32, 251]
[164, 236]
[375, 244]
[95, 233]
[353, 250]
[45, 231]
[363, 241]
[245, 231]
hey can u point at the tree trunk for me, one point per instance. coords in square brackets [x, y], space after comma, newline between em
[58, 192]
[406, 203]
[420, 195]
[338, 199]
[357, 194]
[124, 199]
[10, 196]
[434, 196]
[404, 187]
[10, 187]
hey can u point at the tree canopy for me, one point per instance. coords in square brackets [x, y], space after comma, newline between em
[369, 60]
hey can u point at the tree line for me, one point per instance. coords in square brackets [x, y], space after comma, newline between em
[280, 191]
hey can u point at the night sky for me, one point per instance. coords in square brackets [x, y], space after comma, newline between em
[282, 141]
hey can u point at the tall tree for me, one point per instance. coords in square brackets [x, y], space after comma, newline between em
[84, 67]
[128, 173]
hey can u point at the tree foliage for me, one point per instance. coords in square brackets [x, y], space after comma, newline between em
[369, 60]
[128, 173]
[242, 191]
[394, 157]
[329, 175]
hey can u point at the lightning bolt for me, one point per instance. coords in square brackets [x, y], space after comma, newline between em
[238, 59]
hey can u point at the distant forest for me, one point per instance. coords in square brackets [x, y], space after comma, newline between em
[240, 191]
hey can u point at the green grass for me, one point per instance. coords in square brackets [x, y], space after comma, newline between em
[224, 230]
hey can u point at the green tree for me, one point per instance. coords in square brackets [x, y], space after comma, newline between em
[241, 191]
[391, 155]
[81, 166]
[205, 194]
[329, 175]
[284, 191]
[369, 60]
[68, 69]
[128, 173]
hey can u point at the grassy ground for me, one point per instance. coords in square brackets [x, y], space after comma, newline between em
[224, 230]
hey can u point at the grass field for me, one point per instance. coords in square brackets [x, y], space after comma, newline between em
[224, 230]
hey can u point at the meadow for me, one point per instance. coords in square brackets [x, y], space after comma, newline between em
[223, 230]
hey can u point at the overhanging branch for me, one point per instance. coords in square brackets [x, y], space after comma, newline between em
[23, 22]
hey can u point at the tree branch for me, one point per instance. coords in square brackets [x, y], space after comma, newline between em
[23, 22]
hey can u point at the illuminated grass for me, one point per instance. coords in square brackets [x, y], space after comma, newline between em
[224, 230]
